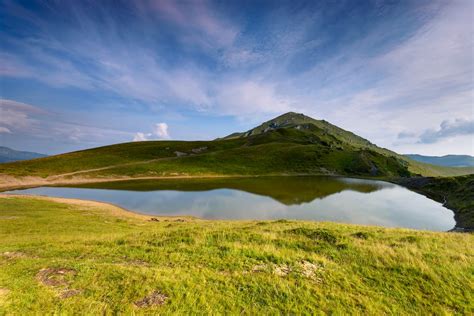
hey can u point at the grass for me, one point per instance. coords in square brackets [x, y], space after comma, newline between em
[290, 144]
[429, 170]
[110, 262]
[260, 155]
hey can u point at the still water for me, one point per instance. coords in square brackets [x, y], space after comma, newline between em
[334, 199]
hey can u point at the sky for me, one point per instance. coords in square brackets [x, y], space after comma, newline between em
[81, 74]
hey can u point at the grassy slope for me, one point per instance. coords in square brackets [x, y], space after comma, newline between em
[282, 151]
[108, 156]
[456, 192]
[290, 144]
[429, 170]
[208, 267]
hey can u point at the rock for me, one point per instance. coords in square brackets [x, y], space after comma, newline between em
[155, 298]
[199, 150]
[180, 154]
[282, 270]
[259, 268]
[309, 269]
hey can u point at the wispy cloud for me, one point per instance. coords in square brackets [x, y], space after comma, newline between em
[373, 69]
[21, 120]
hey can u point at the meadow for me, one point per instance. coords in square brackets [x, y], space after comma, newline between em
[70, 256]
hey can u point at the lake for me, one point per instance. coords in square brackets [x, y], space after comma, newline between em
[335, 199]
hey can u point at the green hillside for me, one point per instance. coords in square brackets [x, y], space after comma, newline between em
[302, 122]
[289, 144]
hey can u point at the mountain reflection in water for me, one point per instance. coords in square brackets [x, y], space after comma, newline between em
[335, 199]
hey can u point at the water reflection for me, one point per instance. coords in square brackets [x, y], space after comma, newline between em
[286, 190]
[309, 198]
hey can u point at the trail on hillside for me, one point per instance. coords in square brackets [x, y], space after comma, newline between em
[110, 167]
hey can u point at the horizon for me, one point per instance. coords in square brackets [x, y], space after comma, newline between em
[78, 75]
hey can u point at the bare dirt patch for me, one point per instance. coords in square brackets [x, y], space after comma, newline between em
[13, 255]
[54, 277]
[3, 292]
[154, 299]
[8, 217]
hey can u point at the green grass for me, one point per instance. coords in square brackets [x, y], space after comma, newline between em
[232, 267]
[428, 170]
[290, 144]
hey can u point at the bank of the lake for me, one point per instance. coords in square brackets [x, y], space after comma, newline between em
[63, 256]
[318, 198]
[456, 193]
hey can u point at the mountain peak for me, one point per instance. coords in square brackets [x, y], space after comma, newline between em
[292, 116]
[304, 123]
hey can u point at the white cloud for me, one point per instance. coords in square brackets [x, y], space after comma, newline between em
[140, 137]
[448, 128]
[5, 130]
[159, 131]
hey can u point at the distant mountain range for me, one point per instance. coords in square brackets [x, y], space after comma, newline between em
[447, 161]
[9, 155]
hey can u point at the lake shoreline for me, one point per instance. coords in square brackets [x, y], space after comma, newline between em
[415, 184]
[114, 210]
[453, 192]
[111, 208]
[283, 197]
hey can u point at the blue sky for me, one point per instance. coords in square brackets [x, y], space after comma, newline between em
[80, 74]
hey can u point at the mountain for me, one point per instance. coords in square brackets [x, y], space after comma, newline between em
[305, 123]
[291, 144]
[9, 155]
[448, 160]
